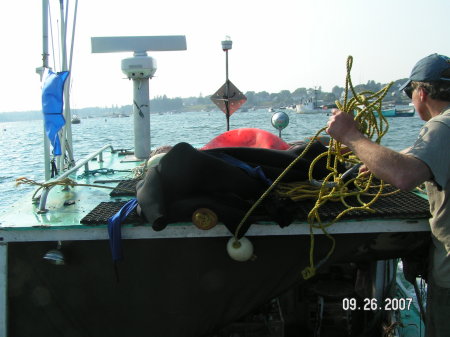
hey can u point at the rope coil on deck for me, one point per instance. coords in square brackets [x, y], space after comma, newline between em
[367, 109]
[63, 182]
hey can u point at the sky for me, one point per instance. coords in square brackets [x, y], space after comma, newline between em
[277, 45]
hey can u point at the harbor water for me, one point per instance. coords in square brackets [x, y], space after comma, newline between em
[22, 142]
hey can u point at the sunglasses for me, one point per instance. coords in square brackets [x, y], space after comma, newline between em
[408, 91]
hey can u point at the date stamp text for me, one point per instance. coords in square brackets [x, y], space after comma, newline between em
[372, 304]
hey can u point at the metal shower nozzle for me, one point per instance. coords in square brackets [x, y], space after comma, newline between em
[55, 256]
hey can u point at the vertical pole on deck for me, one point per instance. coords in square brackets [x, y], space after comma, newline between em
[141, 114]
[226, 46]
[47, 170]
[66, 132]
[69, 79]
[227, 91]
[3, 289]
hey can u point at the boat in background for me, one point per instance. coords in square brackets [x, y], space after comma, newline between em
[76, 119]
[310, 107]
[399, 111]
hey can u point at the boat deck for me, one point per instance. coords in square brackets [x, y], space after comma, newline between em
[66, 207]
[23, 224]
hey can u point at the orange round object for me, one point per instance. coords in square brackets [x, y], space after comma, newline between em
[204, 218]
[247, 137]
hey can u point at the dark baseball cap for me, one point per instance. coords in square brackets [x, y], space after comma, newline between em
[429, 69]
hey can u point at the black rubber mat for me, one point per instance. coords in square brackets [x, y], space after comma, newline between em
[125, 188]
[399, 206]
[100, 214]
[402, 205]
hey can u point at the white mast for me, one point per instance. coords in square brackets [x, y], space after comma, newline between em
[40, 71]
[66, 133]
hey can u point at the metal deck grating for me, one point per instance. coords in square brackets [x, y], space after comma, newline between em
[100, 214]
[125, 188]
[398, 206]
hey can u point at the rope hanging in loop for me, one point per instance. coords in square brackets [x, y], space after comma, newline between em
[366, 106]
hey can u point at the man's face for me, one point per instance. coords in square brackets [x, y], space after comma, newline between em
[418, 96]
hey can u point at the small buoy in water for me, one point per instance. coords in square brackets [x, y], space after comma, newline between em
[154, 160]
[240, 249]
[280, 120]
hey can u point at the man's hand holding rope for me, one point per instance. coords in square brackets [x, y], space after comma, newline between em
[342, 126]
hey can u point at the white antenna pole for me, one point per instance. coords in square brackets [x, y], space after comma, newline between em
[45, 33]
[69, 148]
[63, 132]
[47, 170]
[73, 34]
[141, 109]
[67, 129]
[63, 36]
[69, 136]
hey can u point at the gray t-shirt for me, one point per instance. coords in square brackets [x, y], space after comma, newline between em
[433, 148]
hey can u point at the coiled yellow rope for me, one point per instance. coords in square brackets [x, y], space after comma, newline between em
[138, 173]
[62, 182]
[367, 109]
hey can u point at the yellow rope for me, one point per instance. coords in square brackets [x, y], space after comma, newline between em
[62, 182]
[367, 109]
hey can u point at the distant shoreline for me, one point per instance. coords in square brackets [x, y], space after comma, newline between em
[255, 100]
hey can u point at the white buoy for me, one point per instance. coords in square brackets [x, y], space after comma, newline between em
[154, 160]
[240, 249]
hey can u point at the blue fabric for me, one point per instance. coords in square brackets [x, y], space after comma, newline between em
[52, 107]
[256, 172]
[114, 229]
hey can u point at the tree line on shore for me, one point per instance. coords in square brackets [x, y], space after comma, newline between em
[263, 99]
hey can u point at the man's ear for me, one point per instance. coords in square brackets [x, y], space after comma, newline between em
[423, 94]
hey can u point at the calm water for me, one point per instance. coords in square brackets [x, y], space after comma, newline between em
[22, 152]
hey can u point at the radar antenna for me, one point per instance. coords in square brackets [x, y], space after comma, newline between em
[139, 68]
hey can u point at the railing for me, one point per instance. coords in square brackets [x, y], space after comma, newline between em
[84, 162]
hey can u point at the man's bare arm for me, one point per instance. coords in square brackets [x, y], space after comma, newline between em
[401, 170]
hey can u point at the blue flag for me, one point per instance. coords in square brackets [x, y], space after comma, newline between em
[52, 107]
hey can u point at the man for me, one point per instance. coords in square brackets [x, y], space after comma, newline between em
[427, 160]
